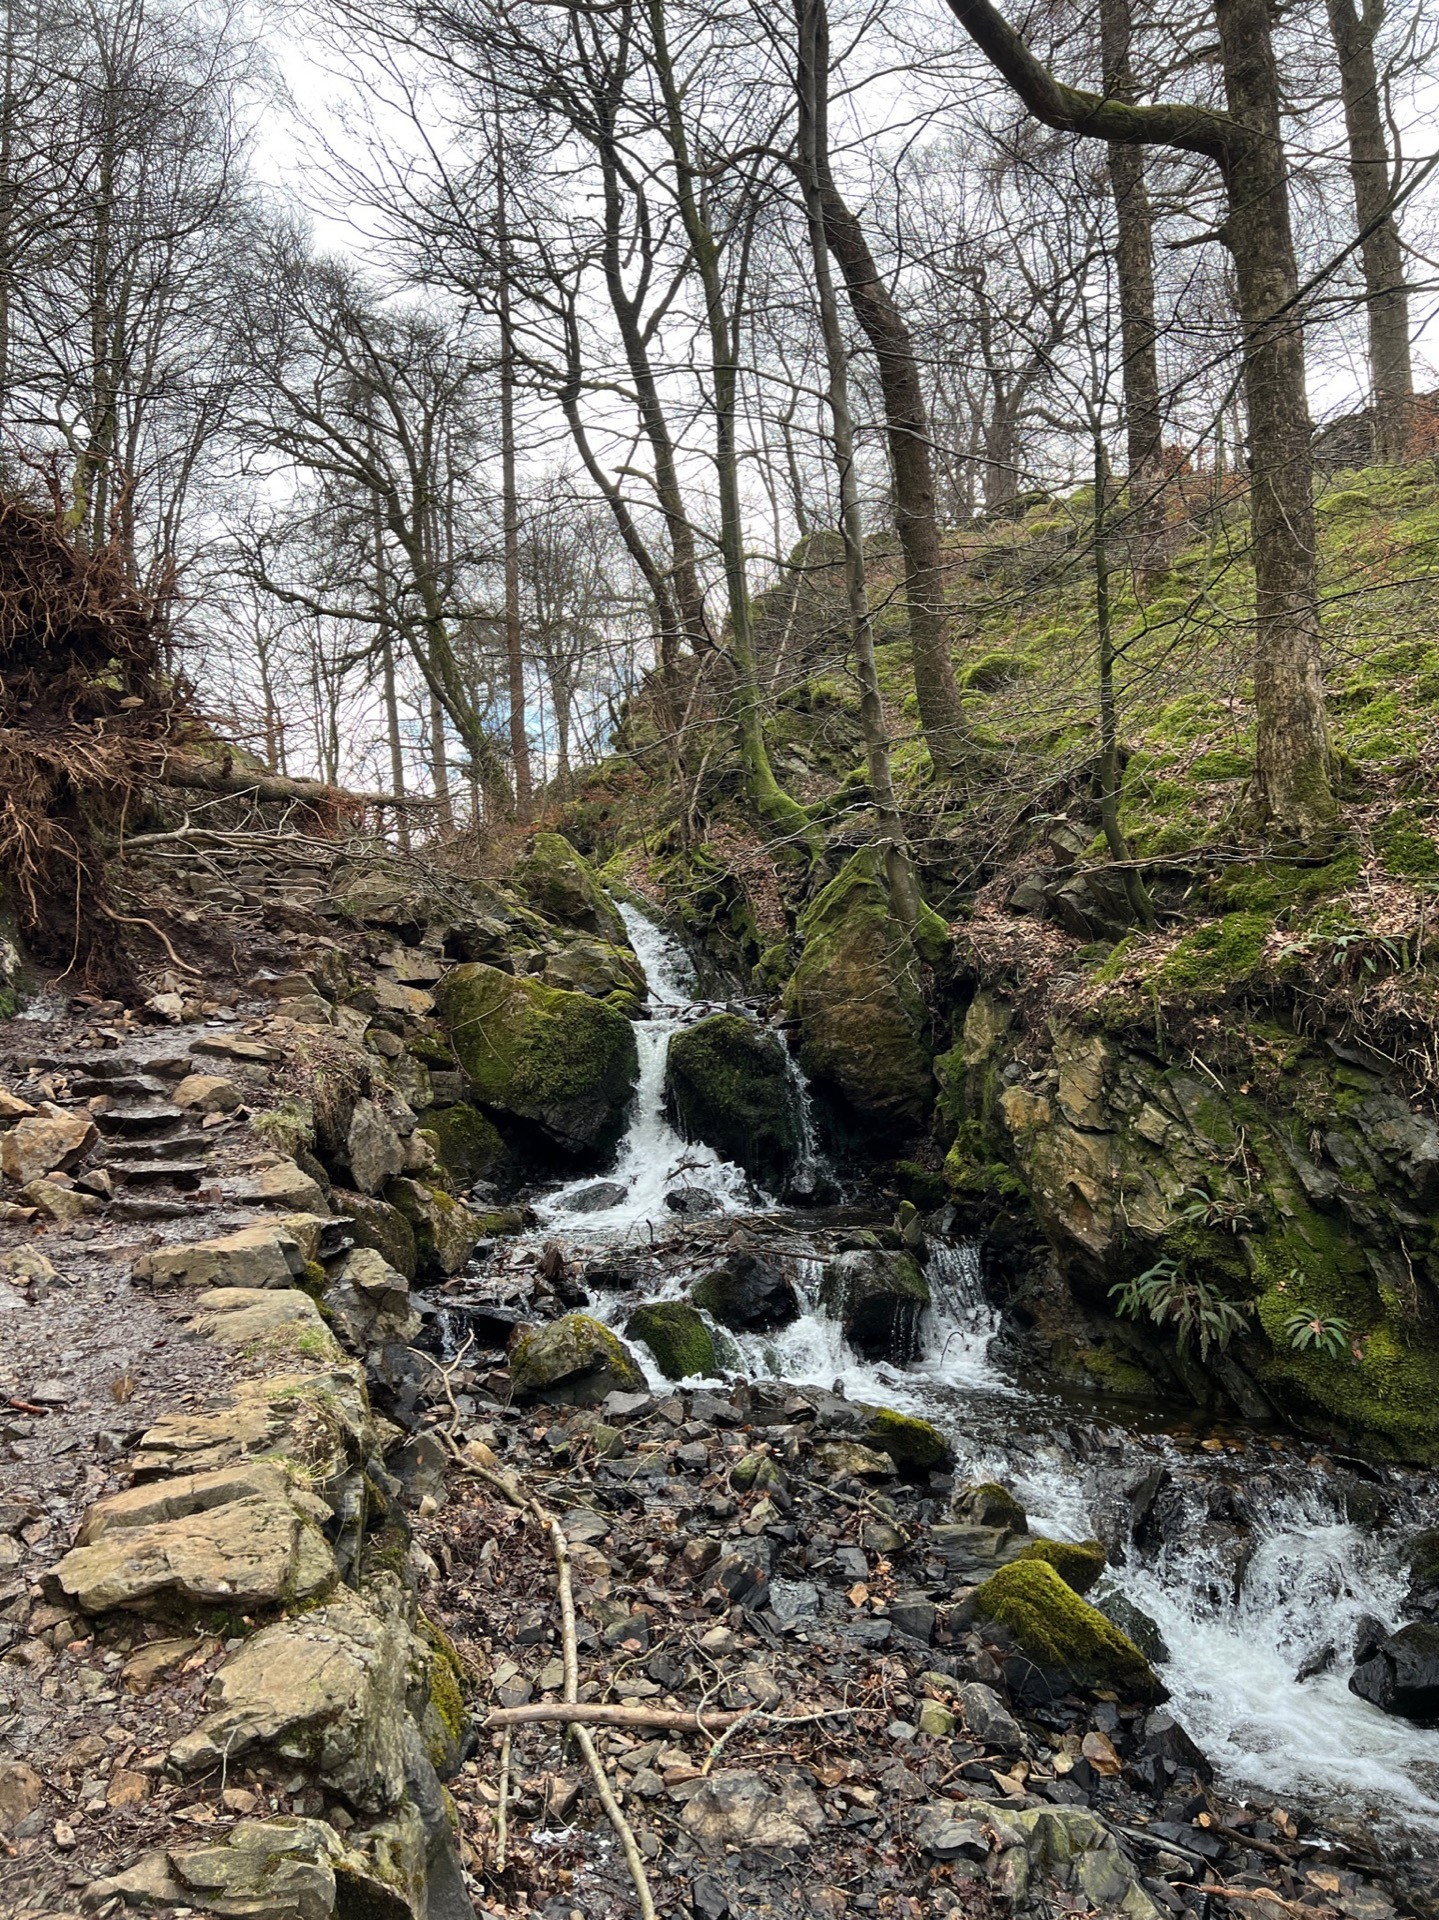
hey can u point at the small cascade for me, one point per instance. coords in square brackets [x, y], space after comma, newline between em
[812, 1176]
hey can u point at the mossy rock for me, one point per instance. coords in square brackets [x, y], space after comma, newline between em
[916, 1447]
[575, 1362]
[1063, 1634]
[561, 884]
[563, 1061]
[678, 1336]
[727, 1082]
[382, 1226]
[921, 1187]
[993, 670]
[603, 971]
[469, 1146]
[1079, 1563]
[878, 1297]
[987, 1504]
[856, 993]
[1215, 958]
[446, 1231]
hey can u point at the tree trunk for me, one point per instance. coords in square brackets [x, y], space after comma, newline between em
[514, 646]
[1386, 295]
[812, 82]
[1292, 765]
[1134, 275]
[941, 713]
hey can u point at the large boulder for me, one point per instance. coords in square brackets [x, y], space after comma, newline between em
[573, 1362]
[373, 1147]
[728, 1083]
[746, 1292]
[1067, 1640]
[561, 884]
[606, 972]
[1401, 1674]
[259, 1256]
[563, 1061]
[678, 1337]
[316, 1424]
[856, 994]
[878, 1297]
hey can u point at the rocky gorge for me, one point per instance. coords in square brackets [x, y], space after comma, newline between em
[577, 1433]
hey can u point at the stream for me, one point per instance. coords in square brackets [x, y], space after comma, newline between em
[1255, 1554]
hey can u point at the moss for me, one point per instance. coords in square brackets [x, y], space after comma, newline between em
[1217, 957]
[678, 1337]
[562, 1060]
[1407, 846]
[917, 1184]
[985, 1503]
[289, 1128]
[996, 669]
[314, 1280]
[573, 1360]
[378, 1224]
[728, 1083]
[1079, 1563]
[469, 1146]
[1064, 1634]
[916, 1447]
[446, 1694]
[558, 881]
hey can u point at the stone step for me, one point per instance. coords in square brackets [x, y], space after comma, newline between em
[184, 1174]
[136, 1207]
[140, 1122]
[126, 1086]
[96, 1066]
[178, 1146]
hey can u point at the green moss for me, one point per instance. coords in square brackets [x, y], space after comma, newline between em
[469, 1145]
[289, 1128]
[1217, 957]
[1407, 846]
[678, 1337]
[993, 670]
[1063, 1633]
[728, 1083]
[917, 1184]
[1079, 1563]
[916, 1447]
[560, 882]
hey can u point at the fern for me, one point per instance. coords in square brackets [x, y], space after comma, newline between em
[1325, 1334]
[1195, 1311]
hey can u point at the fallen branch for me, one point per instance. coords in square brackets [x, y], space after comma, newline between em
[223, 776]
[595, 1713]
[1260, 1893]
[502, 1805]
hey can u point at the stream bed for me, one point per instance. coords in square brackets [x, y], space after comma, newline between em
[1256, 1555]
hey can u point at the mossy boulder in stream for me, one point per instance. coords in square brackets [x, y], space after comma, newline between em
[574, 1362]
[561, 884]
[727, 1082]
[916, 1447]
[1064, 1635]
[857, 996]
[678, 1337]
[877, 1297]
[1079, 1563]
[563, 1061]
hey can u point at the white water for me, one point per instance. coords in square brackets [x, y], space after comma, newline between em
[653, 1158]
[1234, 1660]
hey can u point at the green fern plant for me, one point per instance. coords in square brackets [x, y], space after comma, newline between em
[1195, 1311]
[1326, 1334]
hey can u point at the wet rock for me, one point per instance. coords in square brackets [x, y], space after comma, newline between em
[606, 972]
[598, 1197]
[373, 1148]
[1421, 1555]
[728, 1083]
[692, 1200]
[678, 1337]
[259, 1256]
[878, 1298]
[856, 995]
[1401, 1675]
[327, 1690]
[1070, 1847]
[740, 1809]
[1063, 1635]
[574, 1361]
[233, 1538]
[563, 1061]
[1131, 1620]
[369, 1303]
[51, 1141]
[746, 1292]
[1165, 1739]
[468, 1145]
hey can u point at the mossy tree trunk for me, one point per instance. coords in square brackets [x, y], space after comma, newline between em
[1293, 779]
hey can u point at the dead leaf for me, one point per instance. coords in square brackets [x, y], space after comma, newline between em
[1098, 1750]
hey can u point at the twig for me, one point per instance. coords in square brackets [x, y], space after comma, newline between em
[502, 1809]
[134, 920]
[597, 1713]
[622, 1827]
[1259, 1893]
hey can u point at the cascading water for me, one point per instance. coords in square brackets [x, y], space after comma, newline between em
[1239, 1627]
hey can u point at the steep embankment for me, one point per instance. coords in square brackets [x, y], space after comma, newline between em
[1202, 1142]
